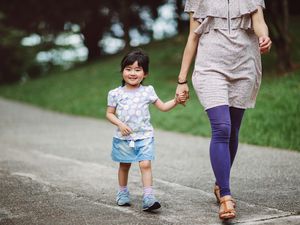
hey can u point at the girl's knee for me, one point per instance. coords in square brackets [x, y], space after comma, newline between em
[146, 164]
[125, 166]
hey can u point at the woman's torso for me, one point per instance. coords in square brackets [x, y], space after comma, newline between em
[227, 42]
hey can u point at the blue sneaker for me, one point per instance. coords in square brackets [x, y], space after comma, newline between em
[123, 198]
[150, 203]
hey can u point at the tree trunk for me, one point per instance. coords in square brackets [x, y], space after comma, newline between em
[180, 22]
[279, 33]
[93, 31]
[125, 20]
[91, 40]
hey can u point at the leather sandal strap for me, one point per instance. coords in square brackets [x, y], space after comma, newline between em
[226, 210]
[226, 200]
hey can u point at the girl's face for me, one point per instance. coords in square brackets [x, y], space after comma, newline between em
[133, 75]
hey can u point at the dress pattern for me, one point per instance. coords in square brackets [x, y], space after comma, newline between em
[228, 63]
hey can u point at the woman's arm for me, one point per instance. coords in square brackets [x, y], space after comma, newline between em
[261, 30]
[188, 56]
[110, 115]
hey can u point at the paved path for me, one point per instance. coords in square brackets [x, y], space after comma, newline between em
[56, 169]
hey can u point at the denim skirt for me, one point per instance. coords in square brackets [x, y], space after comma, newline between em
[143, 149]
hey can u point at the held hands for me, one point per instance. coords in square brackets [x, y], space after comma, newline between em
[265, 44]
[180, 99]
[125, 130]
[182, 93]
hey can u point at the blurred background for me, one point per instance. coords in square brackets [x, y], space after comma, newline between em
[65, 55]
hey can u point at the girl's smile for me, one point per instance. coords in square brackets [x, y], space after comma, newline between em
[133, 75]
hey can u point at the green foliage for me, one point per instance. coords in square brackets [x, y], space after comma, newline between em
[275, 120]
[19, 19]
[15, 59]
[83, 91]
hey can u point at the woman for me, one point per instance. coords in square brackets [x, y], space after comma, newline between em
[227, 38]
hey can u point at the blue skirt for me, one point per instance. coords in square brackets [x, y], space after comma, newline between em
[122, 151]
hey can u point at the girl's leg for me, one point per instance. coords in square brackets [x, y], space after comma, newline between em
[146, 171]
[219, 146]
[236, 116]
[149, 201]
[123, 174]
[123, 198]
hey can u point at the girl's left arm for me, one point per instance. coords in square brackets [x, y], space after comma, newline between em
[261, 30]
[165, 106]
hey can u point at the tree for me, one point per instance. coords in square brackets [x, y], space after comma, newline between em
[94, 20]
[129, 16]
[179, 10]
[48, 19]
[278, 19]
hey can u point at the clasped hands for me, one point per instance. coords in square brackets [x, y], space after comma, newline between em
[182, 94]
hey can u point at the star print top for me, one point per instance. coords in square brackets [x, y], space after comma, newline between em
[132, 108]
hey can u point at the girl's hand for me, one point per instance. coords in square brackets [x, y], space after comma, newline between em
[125, 130]
[181, 98]
[265, 44]
[182, 93]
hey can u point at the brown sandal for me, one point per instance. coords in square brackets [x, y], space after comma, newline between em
[226, 213]
[218, 195]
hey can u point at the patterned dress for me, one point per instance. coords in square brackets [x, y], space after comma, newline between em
[228, 63]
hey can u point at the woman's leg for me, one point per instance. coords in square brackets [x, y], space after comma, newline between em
[236, 116]
[219, 146]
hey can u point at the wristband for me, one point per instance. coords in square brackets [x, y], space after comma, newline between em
[184, 82]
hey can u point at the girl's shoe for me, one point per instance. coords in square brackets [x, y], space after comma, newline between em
[150, 203]
[218, 195]
[227, 211]
[123, 198]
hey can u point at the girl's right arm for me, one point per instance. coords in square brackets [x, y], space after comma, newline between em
[188, 56]
[111, 116]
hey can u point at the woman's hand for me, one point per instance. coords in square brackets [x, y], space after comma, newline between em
[182, 93]
[261, 30]
[125, 130]
[265, 44]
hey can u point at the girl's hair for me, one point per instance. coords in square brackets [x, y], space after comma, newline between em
[136, 55]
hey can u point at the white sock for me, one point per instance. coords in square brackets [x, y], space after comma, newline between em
[148, 191]
[123, 188]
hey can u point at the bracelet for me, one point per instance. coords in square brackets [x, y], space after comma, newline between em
[184, 82]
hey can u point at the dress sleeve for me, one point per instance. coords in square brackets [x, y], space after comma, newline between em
[260, 3]
[111, 99]
[191, 6]
[250, 6]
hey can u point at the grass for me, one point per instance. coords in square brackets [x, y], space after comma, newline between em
[83, 91]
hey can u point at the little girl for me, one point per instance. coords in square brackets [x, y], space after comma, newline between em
[128, 109]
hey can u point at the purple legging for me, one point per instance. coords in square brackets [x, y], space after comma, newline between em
[225, 123]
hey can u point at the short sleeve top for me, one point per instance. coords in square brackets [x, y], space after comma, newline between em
[215, 14]
[132, 108]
